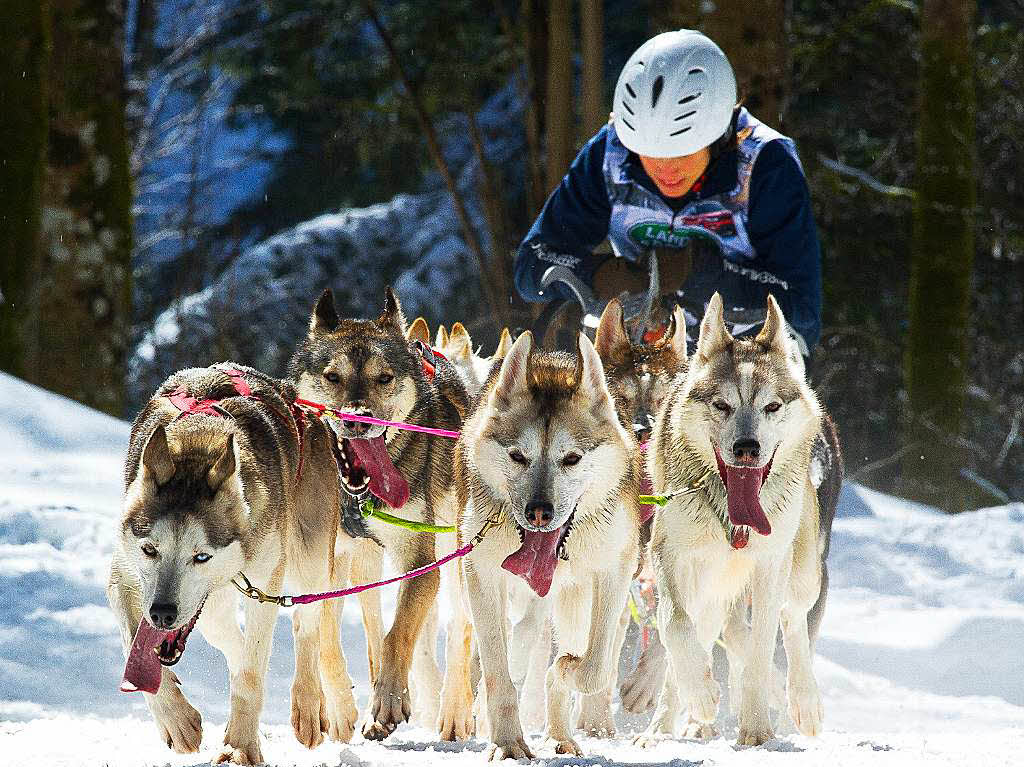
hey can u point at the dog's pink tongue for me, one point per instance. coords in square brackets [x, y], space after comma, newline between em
[142, 670]
[536, 559]
[743, 488]
[386, 482]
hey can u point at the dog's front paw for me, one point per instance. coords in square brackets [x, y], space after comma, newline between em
[649, 739]
[568, 746]
[342, 716]
[180, 726]
[455, 722]
[248, 754]
[309, 718]
[389, 709]
[511, 748]
[695, 730]
[805, 709]
[596, 716]
[704, 694]
[580, 674]
[639, 690]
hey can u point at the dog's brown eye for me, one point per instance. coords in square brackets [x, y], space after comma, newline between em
[331, 376]
[722, 405]
[149, 550]
[201, 557]
[385, 378]
[518, 457]
[772, 407]
[571, 459]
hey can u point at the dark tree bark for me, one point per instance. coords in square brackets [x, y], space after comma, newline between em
[753, 36]
[594, 109]
[24, 74]
[559, 114]
[942, 254]
[87, 223]
[534, 36]
[667, 15]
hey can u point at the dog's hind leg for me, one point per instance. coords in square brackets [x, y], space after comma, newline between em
[341, 705]
[241, 736]
[179, 725]
[455, 721]
[390, 706]
[365, 567]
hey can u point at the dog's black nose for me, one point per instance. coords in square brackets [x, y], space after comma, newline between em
[746, 449]
[539, 513]
[163, 615]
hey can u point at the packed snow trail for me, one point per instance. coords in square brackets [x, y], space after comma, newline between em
[919, 659]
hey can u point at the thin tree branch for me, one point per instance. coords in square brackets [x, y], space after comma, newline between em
[865, 178]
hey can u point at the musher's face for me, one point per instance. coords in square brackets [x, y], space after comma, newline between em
[675, 175]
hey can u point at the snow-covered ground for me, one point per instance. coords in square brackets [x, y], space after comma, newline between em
[919, 660]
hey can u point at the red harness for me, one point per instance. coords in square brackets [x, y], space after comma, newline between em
[428, 359]
[189, 405]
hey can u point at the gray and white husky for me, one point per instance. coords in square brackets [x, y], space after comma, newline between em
[545, 456]
[210, 493]
[742, 424]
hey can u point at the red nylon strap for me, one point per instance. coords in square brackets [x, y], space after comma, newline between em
[189, 405]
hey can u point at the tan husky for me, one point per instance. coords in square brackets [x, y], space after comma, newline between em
[545, 457]
[740, 426]
[214, 487]
[369, 367]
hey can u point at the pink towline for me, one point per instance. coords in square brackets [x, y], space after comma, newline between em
[370, 419]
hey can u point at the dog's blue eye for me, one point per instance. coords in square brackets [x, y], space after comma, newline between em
[200, 558]
[332, 376]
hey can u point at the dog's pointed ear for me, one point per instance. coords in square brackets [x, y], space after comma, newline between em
[504, 344]
[460, 345]
[592, 382]
[392, 315]
[713, 334]
[156, 457]
[419, 331]
[224, 466]
[514, 373]
[773, 332]
[325, 316]
[441, 338]
[675, 337]
[611, 341]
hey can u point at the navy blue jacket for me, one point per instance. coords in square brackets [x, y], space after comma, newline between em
[781, 226]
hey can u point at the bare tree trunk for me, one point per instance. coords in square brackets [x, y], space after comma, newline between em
[494, 211]
[534, 34]
[942, 255]
[753, 36]
[559, 114]
[491, 294]
[667, 15]
[595, 110]
[24, 80]
[87, 232]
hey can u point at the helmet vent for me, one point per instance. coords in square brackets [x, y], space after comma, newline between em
[624, 104]
[681, 130]
[691, 97]
[626, 123]
[683, 117]
[659, 84]
[695, 71]
[630, 90]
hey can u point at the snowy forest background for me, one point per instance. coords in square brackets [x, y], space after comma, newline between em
[181, 178]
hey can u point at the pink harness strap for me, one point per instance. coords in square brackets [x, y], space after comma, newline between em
[321, 409]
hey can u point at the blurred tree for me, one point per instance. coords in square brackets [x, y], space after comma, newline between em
[942, 255]
[594, 109]
[87, 219]
[559, 112]
[25, 40]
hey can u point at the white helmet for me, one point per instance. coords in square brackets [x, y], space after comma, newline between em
[675, 95]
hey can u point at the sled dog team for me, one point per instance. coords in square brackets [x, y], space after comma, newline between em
[230, 471]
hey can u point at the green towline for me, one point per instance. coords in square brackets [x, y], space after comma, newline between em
[371, 507]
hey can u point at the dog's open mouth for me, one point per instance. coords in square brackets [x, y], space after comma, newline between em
[538, 554]
[365, 464]
[743, 491]
[353, 476]
[151, 649]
